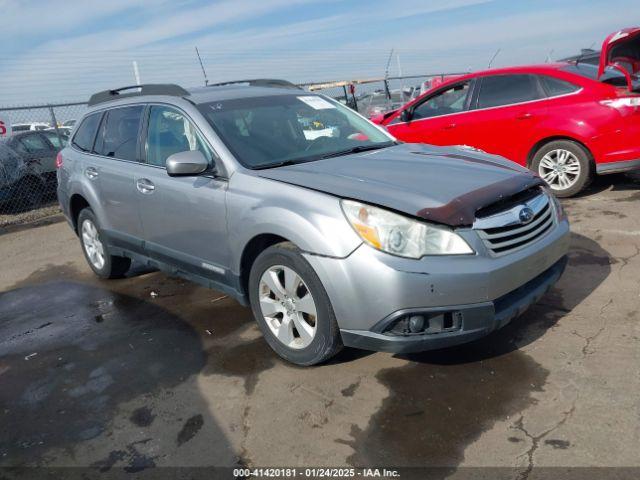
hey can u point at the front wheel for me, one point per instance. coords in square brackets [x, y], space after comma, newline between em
[565, 166]
[292, 307]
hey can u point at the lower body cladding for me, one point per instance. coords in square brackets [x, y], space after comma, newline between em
[617, 167]
[400, 305]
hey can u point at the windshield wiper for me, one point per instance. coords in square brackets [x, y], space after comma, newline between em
[296, 161]
[283, 163]
[357, 149]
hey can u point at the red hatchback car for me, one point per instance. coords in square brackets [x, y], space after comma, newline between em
[565, 121]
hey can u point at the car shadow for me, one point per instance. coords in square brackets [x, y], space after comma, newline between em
[615, 182]
[441, 401]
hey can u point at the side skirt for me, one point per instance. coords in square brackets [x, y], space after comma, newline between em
[136, 250]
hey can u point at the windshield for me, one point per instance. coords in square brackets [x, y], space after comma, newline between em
[278, 129]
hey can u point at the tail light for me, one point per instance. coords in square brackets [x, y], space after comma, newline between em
[625, 105]
[59, 160]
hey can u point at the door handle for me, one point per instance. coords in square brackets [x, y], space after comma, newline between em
[524, 116]
[145, 185]
[450, 126]
[91, 173]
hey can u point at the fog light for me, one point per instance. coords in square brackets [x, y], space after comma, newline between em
[416, 323]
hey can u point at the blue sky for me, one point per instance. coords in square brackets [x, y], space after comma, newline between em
[61, 49]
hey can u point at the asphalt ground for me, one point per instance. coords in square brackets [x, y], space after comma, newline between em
[151, 371]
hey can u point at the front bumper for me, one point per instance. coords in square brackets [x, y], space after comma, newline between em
[369, 289]
[477, 320]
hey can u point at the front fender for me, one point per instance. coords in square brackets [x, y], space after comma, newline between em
[312, 220]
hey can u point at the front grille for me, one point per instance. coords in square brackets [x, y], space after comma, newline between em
[512, 235]
[509, 202]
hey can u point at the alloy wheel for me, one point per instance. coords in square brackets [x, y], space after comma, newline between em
[288, 307]
[92, 244]
[560, 169]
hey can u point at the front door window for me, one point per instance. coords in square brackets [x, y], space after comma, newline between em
[171, 132]
[451, 100]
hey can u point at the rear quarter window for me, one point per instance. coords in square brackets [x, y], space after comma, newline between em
[86, 133]
[58, 141]
[555, 87]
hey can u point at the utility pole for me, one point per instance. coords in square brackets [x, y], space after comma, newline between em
[548, 59]
[400, 75]
[386, 76]
[204, 73]
[136, 72]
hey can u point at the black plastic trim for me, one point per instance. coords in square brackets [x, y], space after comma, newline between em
[146, 89]
[616, 167]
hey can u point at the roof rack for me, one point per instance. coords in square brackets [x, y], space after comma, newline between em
[260, 82]
[148, 89]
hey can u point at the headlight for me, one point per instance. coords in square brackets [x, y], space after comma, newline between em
[399, 235]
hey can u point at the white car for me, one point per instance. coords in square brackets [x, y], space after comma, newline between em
[24, 127]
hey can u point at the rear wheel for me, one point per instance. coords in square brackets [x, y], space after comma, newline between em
[292, 307]
[96, 250]
[565, 166]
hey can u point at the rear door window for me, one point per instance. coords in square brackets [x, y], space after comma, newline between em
[555, 87]
[499, 90]
[86, 134]
[119, 132]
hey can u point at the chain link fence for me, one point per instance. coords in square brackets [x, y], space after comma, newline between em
[30, 139]
[32, 136]
[378, 95]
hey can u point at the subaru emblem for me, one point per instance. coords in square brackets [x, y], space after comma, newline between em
[525, 215]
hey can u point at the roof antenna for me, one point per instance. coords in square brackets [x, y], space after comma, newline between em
[136, 72]
[204, 73]
[493, 58]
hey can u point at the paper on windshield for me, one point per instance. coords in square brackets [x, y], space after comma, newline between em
[317, 103]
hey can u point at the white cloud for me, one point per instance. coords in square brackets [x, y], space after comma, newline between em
[54, 17]
[410, 8]
[171, 24]
[320, 48]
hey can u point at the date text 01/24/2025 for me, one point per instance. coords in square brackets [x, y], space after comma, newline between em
[315, 473]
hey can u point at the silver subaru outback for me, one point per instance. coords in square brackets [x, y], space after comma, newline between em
[334, 233]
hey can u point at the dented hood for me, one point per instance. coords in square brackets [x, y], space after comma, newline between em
[442, 184]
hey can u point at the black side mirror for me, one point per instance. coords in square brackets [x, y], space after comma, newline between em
[187, 164]
[406, 115]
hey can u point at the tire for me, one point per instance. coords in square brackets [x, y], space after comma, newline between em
[567, 155]
[634, 176]
[111, 266]
[281, 260]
